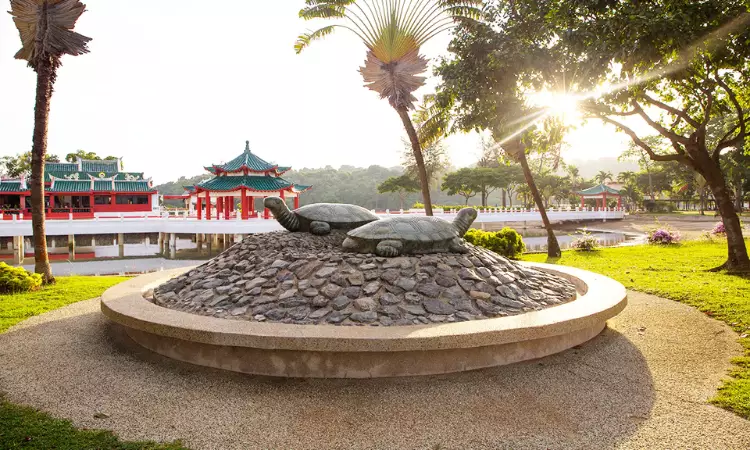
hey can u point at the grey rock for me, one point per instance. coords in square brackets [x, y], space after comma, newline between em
[239, 311]
[303, 284]
[330, 290]
[318, 282]
[405, 283]
[255, 282]
[352, 291]
[356, 279]
[311, 292]
[289, 293]
[368, 266]
[386, 321]
[319, 301]
[217, 300]
[500, 300]
[412, 297]
[269, 273]
[437, 318]
[365, 317]
[262, 309]
[429, 289]
[319, 313]
[389, 299]
[412, 309]
[299, 313]
[436, 306]
[294, 302]
[325, 272]
[307, 269]
[465, 315]
[365, 304]
[464, 261]
[445, 281]
[336, 317]
[275, 314]
[254, 291]
[479, 295]
[390, 276]
[339, 279]
[262, 300]
[341, 302]
[372, 275]
[468, 274]
[486, 307]
[371, 288]
[279, 264]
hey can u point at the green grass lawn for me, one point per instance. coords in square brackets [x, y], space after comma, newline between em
[27, 428]
[680, 273]
[17, 307]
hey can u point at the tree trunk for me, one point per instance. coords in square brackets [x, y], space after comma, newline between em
[737, 258]
[44, 80]
[738, 194]
[417, 149]
[504, 192]
[401, 200]
[484, 197]
[553, 247]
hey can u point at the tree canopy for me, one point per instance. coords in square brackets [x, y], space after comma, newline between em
[20, 164]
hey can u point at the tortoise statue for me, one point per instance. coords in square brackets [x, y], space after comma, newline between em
[416, 234]
[319, 218]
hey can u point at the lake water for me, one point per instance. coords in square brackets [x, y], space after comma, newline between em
[536, 240]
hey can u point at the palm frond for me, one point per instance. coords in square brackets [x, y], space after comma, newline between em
[45, 27]
[396, 80]
[305, 39]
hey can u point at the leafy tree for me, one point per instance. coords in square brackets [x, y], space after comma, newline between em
[393, 33]
[15, 166]
[46, 31]
[675, 65]
[83, 154]
[462, 182]
[434, 162]
[401, 185]
[603, 176]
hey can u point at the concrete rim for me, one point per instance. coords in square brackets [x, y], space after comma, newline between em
[601, 299]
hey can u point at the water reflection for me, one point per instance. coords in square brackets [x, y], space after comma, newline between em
[536, 240]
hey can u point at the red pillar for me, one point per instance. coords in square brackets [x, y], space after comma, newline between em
[91, 201]
[296, 202]
[604, 200]
[243, 204]
[583, 202]
[227, 200]
[265, 211]
[219, 207]
[619, 202]
[208, 205]
[113, 200]
[199, 207]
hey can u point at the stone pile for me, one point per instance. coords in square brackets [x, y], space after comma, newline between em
[305, 279]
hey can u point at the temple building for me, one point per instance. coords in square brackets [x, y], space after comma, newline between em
[240, 181]
[84, 189]
[599, 194]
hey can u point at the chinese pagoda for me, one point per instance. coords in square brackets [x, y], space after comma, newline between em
[245, 177]
[84, 189]
[599, 194]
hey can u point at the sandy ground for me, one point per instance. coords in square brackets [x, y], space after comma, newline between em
[642, 383]
[689, 226]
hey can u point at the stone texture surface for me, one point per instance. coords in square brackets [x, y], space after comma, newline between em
[643, 383]
[288, 277]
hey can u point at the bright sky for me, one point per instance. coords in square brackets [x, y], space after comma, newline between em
[171, 86]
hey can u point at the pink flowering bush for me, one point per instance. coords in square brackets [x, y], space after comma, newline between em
[585, 242]
[719, 229]
[663, 236]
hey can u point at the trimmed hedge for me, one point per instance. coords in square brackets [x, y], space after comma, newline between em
[16, 279]
[506, 242]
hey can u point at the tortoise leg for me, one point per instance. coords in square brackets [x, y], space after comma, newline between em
[458, 245]
[389, 249]
[319, 228]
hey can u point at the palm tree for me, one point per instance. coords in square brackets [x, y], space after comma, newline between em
[393, 32]
[603, 176]
[626, 177]
[46, 33]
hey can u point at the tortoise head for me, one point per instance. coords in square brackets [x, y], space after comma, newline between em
[275, 204]
[464, 219]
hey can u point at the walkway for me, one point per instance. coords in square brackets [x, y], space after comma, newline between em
[643, 383]
[116, 266]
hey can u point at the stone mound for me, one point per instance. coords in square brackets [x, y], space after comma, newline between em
[305, 279]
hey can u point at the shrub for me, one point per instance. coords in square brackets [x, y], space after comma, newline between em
[663, 236]
[506, 242]
[585, 242]
[16, 279]
[719, 229]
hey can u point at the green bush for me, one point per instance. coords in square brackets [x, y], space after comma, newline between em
[16, 279]
[506, 242]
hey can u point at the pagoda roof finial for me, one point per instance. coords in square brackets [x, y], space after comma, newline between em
[247, 146]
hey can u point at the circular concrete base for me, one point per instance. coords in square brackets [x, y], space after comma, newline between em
[328, 351]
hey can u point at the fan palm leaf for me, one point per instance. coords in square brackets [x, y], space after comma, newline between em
[46, 29]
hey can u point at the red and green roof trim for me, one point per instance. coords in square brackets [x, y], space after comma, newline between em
[249, 182]
[598, 190]
[247, 162]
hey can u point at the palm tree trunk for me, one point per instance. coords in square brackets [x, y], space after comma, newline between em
[553, 247]
[417, 150]
[44, 81]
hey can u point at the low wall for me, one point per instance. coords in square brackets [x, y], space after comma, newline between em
[328, 351]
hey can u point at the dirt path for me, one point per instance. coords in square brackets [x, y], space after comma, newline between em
[643, 383]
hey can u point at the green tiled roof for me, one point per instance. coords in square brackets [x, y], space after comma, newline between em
[108, 166]
[132, 186]
[246, 159]
[102, 185]
[61, 167]
[596, 190]
[85, 175]
[301, 187]
[189, 188]
[11, 186]
[254, 183]
[282, 169]
[70, 186]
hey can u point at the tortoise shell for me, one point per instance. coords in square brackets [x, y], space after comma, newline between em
[335, 213]
[414, 228]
